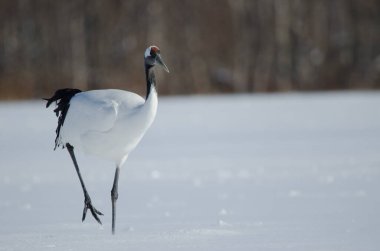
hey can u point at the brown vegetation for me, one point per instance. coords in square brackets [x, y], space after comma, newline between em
[209, 46]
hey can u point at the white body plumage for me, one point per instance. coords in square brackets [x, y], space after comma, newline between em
[108, 123]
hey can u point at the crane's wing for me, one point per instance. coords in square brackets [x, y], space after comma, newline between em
[95, 111]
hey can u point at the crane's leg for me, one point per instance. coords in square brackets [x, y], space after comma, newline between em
[114, 196]
[87, 199]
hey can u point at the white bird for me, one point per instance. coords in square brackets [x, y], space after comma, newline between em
[107, 123]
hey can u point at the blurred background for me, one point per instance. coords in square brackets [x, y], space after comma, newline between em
[210, 46]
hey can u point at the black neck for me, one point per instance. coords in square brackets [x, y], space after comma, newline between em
[150, 79]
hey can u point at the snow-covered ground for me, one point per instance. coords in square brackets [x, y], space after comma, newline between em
[240, 172]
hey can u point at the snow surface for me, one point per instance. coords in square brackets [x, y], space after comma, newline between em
[241, 172]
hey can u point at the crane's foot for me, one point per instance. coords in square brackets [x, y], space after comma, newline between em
[93, 210]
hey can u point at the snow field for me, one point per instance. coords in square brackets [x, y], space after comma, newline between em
[241, 172]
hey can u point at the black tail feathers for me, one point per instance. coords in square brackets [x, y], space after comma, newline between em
[64, 95]
[62, 98]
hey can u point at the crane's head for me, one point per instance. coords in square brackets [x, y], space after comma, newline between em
[152, 57]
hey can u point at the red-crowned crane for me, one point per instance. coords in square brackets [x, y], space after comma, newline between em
[107, 123]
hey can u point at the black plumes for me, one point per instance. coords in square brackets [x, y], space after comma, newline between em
[62, 98]
[150, 79]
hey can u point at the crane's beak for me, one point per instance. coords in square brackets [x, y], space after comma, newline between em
[161, 62]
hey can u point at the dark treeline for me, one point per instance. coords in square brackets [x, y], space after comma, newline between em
[209, 46]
